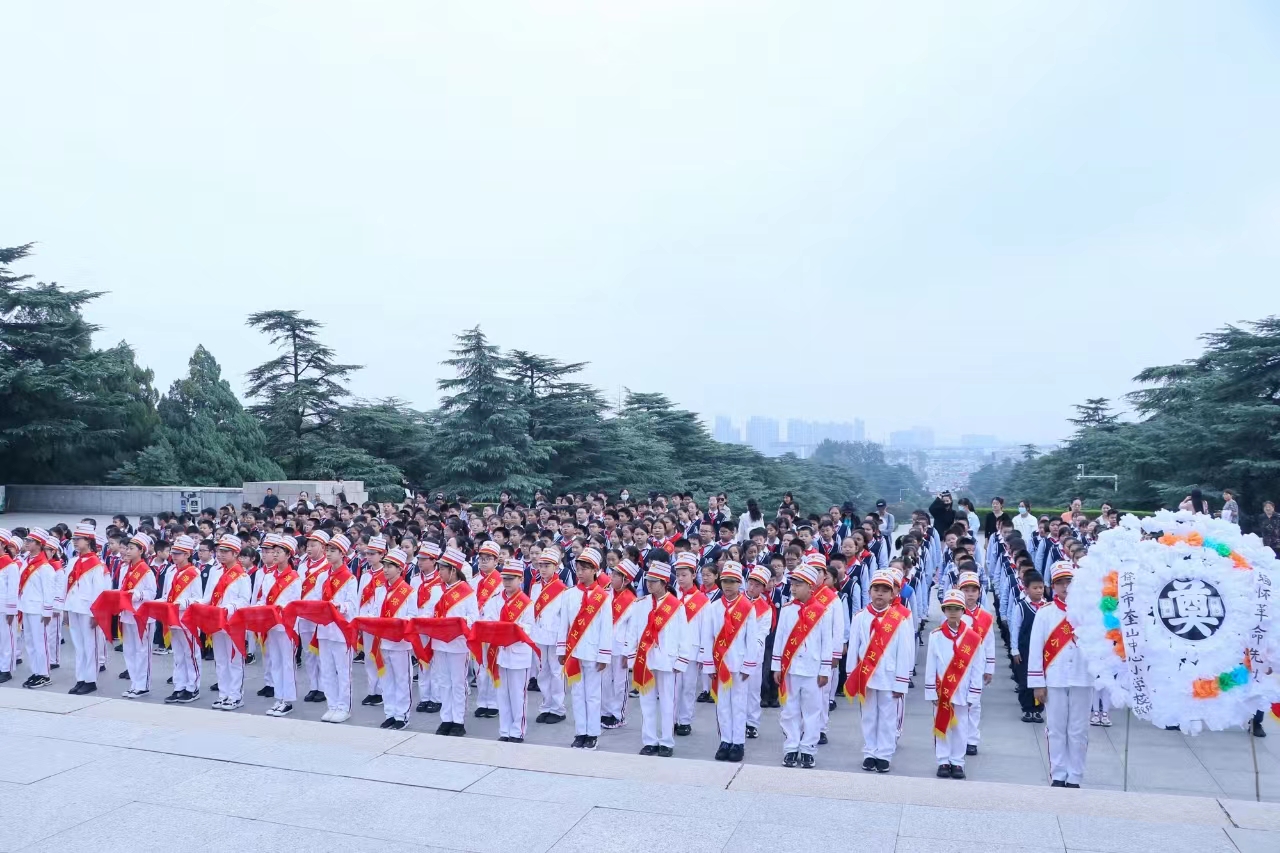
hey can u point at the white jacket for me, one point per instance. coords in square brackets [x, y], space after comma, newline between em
[344, 599]
[519, 655]
[674, 647]
[596, 644]
[938, 658]
[626, 630]
[188, 595]
[238, 593]
[546, 626]
[893, 671]
[1068, 668]
[81, 597]
[987, 658]
[743, 654]
[374, 606]
[408, 609]
[466, 609]
[813, 658]
[9, 588]
[36, 598]
[143, 590]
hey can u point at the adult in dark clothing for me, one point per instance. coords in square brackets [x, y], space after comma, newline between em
[271, 501]
[943, 512]
[991, 523]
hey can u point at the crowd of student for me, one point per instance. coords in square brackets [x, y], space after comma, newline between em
[588, 600]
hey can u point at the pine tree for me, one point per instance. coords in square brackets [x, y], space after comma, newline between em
[299, 392]
[564, 416]
[68, 412]
[484, 444]
[204, 429]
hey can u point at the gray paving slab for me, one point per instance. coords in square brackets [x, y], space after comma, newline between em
[501, 825]
[822, 835]
[613, 831]
[934, 845]
[1254, 840]
[1031, 829]
[1112, 835]
[423, 772]
[32, 814]
[29, 759]
[365, 808]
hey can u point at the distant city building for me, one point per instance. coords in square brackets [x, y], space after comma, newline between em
[725, 431]
[978, 441]
[859, 429]
[915, 437]
[762, 434]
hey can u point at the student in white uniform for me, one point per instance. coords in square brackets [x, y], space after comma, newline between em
[982, 622]
[731, 647]
[952, 640]
[762, 607]
[86, 579]
[514, 659]
[37, 589]
[181, 588]
[457, 600]
[396, 680]
[547, 593]
[229, 588]
[339, 588]
[140, 582]
[802, 660]
[585, 646]
[280, 588]
[1057, 672]
[428, 586]
[314, 570]
[695, 603]
[371, 592]
[9, 571]
[665, 647]
[616, 682]
[882, 647]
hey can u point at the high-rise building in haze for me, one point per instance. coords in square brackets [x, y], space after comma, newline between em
[762, 434]
[859, 429]
[978, 441]
[915, 437]
[725, 431]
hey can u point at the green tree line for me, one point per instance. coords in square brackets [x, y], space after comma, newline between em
[1211, 422]
[507, 421]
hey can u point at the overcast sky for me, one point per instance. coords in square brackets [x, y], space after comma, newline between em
[965, 215]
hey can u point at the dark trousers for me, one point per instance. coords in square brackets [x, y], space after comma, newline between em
[768, 687]
[1026, 698]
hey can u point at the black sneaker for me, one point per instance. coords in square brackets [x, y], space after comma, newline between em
[504, 739]
[102, 667]
[648, 749]
[957, 772]
[285, 709]
[807, 761]
[791, 759]
[377, 700]
[421, 707]
[267, 692]
[124, 676]
[5, 676]
[1255, 728]
[722, 754]
[868, 764]
[250, 658]
[457, 730]
[822, 739]
[368, 700]
[532, 686]
[1058, 783]
[55, 666]
[169, 680]
[704, 697]
[434, 707]
[552, 719]
[752, 732]
[515, 740]
[737, 752]
[609, 721]
[882, 765]
[665, 752]
[1038, 717]
[213, 688]
[831, 706]
[589, 743]
[89, 687]
[480, 713]
[1071, 785]
[684, 729]
[186, 697]
[633, 693]
[75, 691]
[541, 718]
[172, 697]
[944, 771]
[578, 741]
[359, 658]
[444, 728]
[386, 724]
[971, 749]
[1028, 717]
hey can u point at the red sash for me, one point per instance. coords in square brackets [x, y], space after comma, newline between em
[965, 646]
[592, 603]
[981, 622]
[641, 676]
[424, 590]
[883, 628]
[448, 600]
[375, 580]
[134, 576]
[487, 587]
[693, 604]
[1059, 638]
[83, 566]
[180, 583]
[512, 608]
[229, 576]
[396, 597]
[310, 578]
[548, 595]
[282, 582]
[210, 619]
[621, 602]
[29, 571]
[332, 584]
[810, 615]
[735, 616]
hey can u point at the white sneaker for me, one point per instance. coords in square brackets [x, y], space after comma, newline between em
[1094, 719]
[274, 710]
[327, 717]
[232, 704]
[218, 703]
[340, 716]
[129, 694]
[1104, 720]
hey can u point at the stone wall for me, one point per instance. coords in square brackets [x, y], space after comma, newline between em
[112, 500]
[325, 491]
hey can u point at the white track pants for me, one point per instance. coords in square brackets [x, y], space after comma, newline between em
[950, 749]
[614, 687]
[396, 684]
[731, 709]
[85, 639]
[801, 717]
[486, 693]
[9, 643]
[230, 666]
[278, 654]
[33, 636]
[371, 668]
[310, 659]
[585, 696]
[335, 674]
[881, 714]
[975, 718]
[753, 699]
[686, 694]
[53, 638]
[1066, 718]
[453, 685]
[186, 660]
[137, 653]
[512, 693]
[658, 711]
[551, 682]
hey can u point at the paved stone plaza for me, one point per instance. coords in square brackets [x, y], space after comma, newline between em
[92, 773]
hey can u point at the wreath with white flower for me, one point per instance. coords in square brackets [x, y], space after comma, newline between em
[1175, 617]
